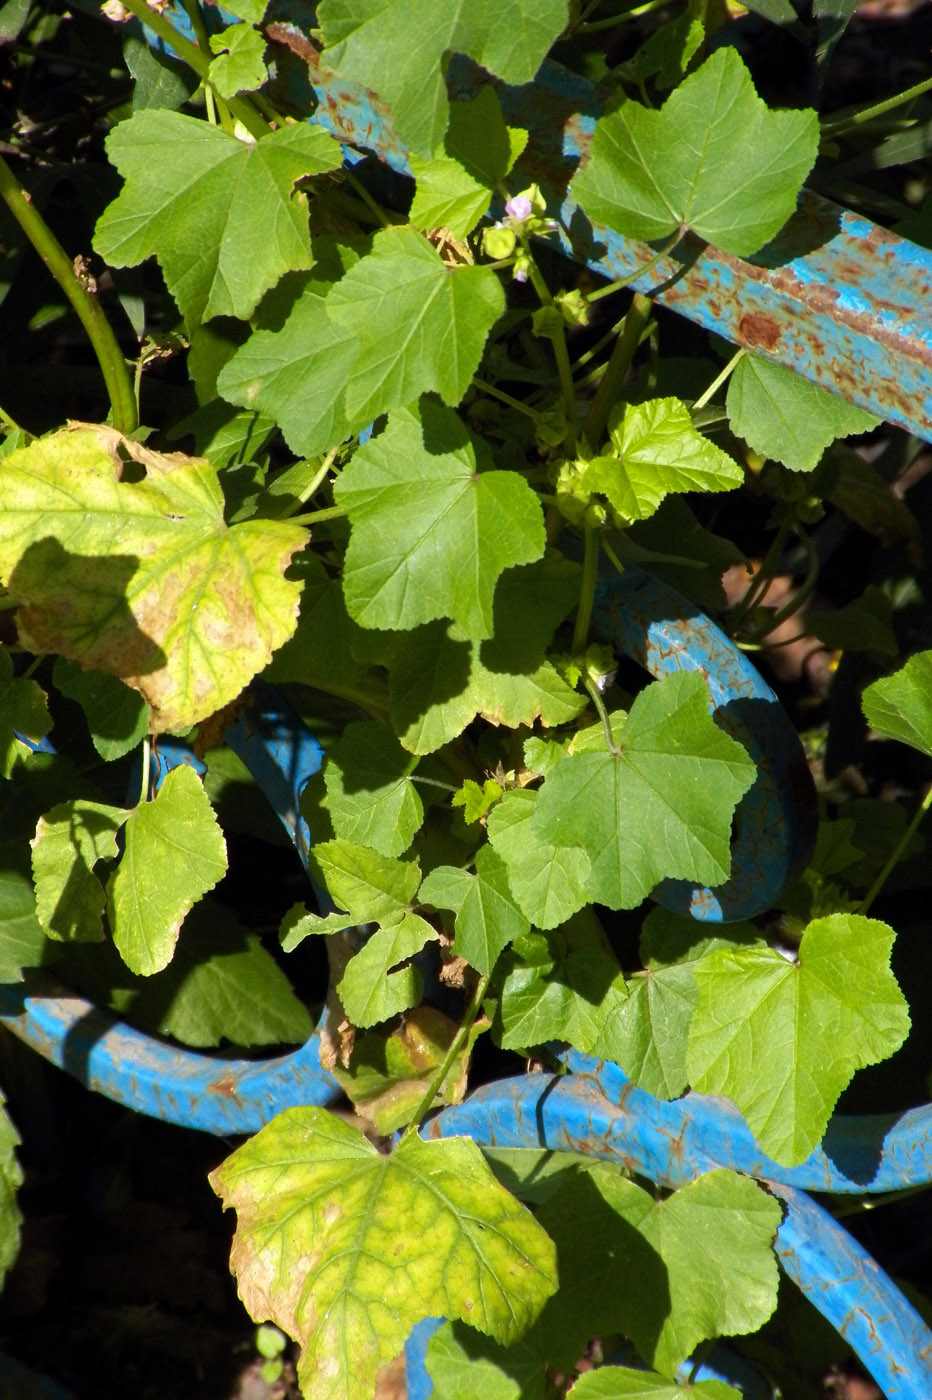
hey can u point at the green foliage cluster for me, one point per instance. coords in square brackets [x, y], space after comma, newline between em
[406, 420]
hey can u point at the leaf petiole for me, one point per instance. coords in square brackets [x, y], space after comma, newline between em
[719, 380]
[895, 854]
[99, 331]
[587, 590]
[456, 1045]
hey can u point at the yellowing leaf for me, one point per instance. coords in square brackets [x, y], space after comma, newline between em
[345, 1249]
[143, 579]
[174, 854]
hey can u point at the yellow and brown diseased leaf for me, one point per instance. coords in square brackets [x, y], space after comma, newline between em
[122, 561]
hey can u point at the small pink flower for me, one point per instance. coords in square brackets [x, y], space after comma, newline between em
[519, 207]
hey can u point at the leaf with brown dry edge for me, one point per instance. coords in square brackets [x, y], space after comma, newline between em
[346, 1249]
[142, 578]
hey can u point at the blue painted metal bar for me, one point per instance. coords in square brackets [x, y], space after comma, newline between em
[837, 1276]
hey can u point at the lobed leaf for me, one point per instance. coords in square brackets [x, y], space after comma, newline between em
[713, 159]
[173, 854]
[345, 1249]
[370, 797]
[487, 917]
[143, 579]
[432, 527]
[401, 50]
[660, 806]
[69, 841]
[783, 416]
[379, 981]
[194, 196]
[782, 1039]
[900, 706]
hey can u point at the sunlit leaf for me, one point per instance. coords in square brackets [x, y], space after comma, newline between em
[194, 196]
[143, 579]
[713, 159]
[173, 854]
[782, 1039]
[345, 1249]
[781, 415]
[68, 843]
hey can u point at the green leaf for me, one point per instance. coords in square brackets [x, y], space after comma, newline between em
[418, 324]
[866, 624]
[389, 1075]
[143, 579]
[783, 416]
[345, 1249]
[574, 990]
[487, 918]
[240, 63]
[432, 526]
[464, 1365]
[783, 1039]
[11, 1178]
[68, 843]
[322, 649]
[440, 678]
[548, 881]
[24, 715]
[666, 55]
[173, 854]
[660, 807]
[158, 81]
[369, 796]
[296, 373]
[194, 196]
[116, 715]
[221, 984]
[647, 1035]
[374, 987]
[618, 1383]
[713, 160]
[372, 888]
[454, 188]
[400, 50]
[659, 452]
[476, 800]
[298, 924]
[900, 706]
[698, 1263]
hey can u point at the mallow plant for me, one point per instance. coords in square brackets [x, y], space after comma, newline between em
[405, 433]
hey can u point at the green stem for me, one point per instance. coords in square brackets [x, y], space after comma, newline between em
[593, 692]
[242, 108]
[586, 590]
[719, 380]
[843, 124]
[10, 424]
[560, 352]
[375, 209]
[802, 593]
[316, 517]
[146, 755]
[638, 271]
[762, 579]
[593, 26]
[895, 854]
[619, 363]
[456, 1045]
[99, 331]
[500, 394]
[432, 782]
[317, 481]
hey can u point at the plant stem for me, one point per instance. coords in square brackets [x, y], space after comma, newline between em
[843, 124]
[620, 282]
[146, 755]
[587, 590]
[800, 596]
[895, 854]
[241, 107]
[100, 333]
[456, 1045]
[317, 481]
[593, 692]
[505, 398]
[560, 352]
[316, 517]
[10, 425]
[719, 380]
[618, 365]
